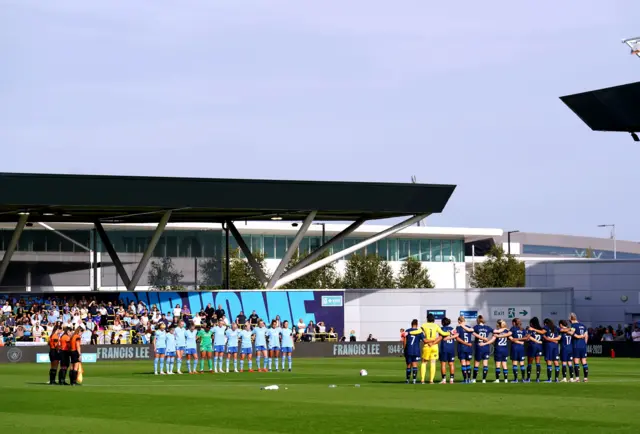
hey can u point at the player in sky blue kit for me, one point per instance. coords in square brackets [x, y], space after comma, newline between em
[233, 335]
[273, 334]
[181, 344]
[170, 354]
[260, 333]
[191, 349]
[465, 348]
[448, 352]
[550, 346]
[517, 338]
[246, 348]
[500, 336]
[534, 348]
[414, 336]
[482, 353]
[566, 350]
[159, 348]
[219, 341]
[580, 339]
[287, 344]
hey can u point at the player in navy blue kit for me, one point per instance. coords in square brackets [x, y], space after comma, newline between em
[465, 347]
[566, 350]
[448, 352]
[412, 350]
[517, 338]
[580, 339]
[500, 336]
[550, 345]
[534, 348]
[482, 353]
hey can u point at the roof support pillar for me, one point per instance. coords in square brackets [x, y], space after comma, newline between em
[13, 244]
[112, 253]
[326, 246]
[247, 252]
[146, 256]
[292, 249]
[321, 263]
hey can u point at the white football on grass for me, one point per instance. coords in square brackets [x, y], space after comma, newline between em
[363, 373]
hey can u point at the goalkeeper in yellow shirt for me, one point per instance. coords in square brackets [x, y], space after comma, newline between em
[434, 335]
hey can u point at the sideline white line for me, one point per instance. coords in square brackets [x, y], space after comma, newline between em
[298, 385]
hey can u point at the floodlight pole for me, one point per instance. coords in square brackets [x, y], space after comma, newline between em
[613, 236]
[509, 241]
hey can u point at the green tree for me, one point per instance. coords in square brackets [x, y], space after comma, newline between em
[588, 253]
[500, 270]
[370, 271]
[163, 275]
[241, 275]
[323, 278]
[209, 273]
[413, 275]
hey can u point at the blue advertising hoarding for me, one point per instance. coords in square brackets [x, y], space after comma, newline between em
[469, 314]
[293, 306]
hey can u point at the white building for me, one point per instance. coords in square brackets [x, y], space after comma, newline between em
[441, 249]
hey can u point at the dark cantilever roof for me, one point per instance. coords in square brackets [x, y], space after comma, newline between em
[139, 199]
[611, 109]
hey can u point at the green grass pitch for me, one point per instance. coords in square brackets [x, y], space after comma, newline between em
[122, 397]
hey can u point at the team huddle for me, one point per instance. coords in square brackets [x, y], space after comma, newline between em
[214, 343]
[65, 354]
[563, 345]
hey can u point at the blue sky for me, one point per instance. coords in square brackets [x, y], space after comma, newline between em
[453, 92]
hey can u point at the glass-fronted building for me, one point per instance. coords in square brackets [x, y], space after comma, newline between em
[190, 253]
[209, 243]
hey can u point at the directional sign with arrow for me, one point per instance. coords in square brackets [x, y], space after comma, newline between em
[510, 312]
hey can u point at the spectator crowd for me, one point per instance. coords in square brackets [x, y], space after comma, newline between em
[629, 333]
[32, 319]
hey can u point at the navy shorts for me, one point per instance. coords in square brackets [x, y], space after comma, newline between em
[274, 349]
[482, 353]
[566, 354]
[182, 348]
[579, 353]
[287, 350]
[412, 359]
[246, 351]
[161, 351]
[500, 356]
[551, 354]
[232, 350]
[190, 351]
[534, 350]
[517, 353]
[170, 354]
[447, 357]
[218, 349]
[261, 348]
[464, 355]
